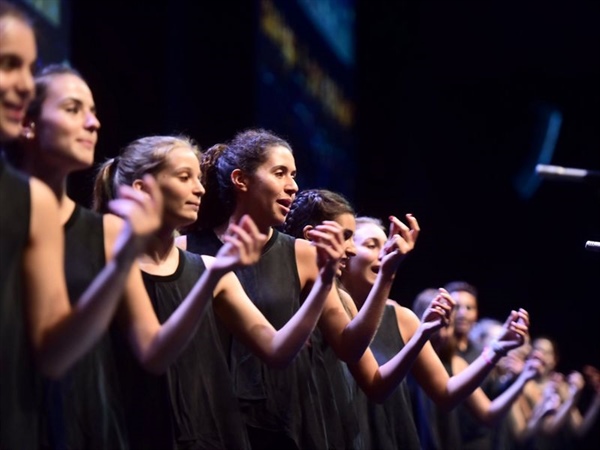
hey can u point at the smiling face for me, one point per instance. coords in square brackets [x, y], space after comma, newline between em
[179, 182]
[362, 269]
[18, 53]
[466, 311]
[547, 353]
[66, 131]
[268, 193]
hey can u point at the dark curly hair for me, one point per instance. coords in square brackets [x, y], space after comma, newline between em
[313, 206]
[246, 151]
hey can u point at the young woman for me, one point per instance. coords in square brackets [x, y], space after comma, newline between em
[254, 174]
[566, 426]
[196, 396]
[350, 428]
[39, 327]
[444, 431]
[397, 329]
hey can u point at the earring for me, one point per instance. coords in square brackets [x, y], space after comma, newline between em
[28, 132]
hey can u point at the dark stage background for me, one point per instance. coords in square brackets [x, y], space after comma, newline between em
[441, 109]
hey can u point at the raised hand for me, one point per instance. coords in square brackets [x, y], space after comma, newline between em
[243, 244]
[532, 367]
[515, 329]
[142, 209]
[438, 314]
[328, 238]
[401, 240]
[575, 381]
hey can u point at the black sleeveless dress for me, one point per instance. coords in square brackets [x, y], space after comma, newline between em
[84, 408]
[281, 407]
[391, 423]
[20, 385]
[438, 430]
[193, 405]
[474, 434]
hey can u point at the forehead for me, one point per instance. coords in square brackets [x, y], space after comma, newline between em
[543, 345]
[278, 155]
[182, 156]
[464, 297]
[17, 38]
[68, 86]
[347, 221]
[369, 231]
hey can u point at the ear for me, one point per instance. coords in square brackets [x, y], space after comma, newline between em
[305, 231]
[28, 130]
[239, 180]
[139, 185]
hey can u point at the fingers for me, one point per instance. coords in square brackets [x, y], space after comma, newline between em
[400, 236]
[244, 240]
[328, 238]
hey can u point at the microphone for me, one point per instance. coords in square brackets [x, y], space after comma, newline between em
[592, 246]
[567, 173]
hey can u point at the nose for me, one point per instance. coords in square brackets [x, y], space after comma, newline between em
[350, 249]
[25, 84]
[91, 121]
[292, 187]
[199, 188]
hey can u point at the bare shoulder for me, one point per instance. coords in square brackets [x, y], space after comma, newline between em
[207, 259]
[304, 249]
[306, 259]
[41, 195]
[458, 364]
[403, 313]
[113, 225]
[181, 242]
[44, 210]
[407, 320]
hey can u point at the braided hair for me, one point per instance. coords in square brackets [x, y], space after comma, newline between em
[313, 206]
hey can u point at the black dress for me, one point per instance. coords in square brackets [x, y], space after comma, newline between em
[474, 434]
[281, 407]
[438, 430]
[84, 408]
[193, 405]
[391, 424]
[341, 399]
[20, 392]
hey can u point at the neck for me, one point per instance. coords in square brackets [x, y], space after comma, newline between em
[160, 246]
[235, 218]
[56, 180]
[358, 291]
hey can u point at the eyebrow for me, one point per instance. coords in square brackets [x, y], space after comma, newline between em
[78, 102]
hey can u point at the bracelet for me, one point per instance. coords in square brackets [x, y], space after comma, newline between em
[498, 349]
[489, 361]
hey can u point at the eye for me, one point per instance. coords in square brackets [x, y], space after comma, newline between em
[9, 62]
[184, 177]
[73, 109]
[348, 234]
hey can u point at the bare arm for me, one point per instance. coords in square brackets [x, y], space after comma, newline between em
[489, 412]
[379, 382]
[349, 338]
[278, 347]
[446, 391]
[61, 334]
[156, 346]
